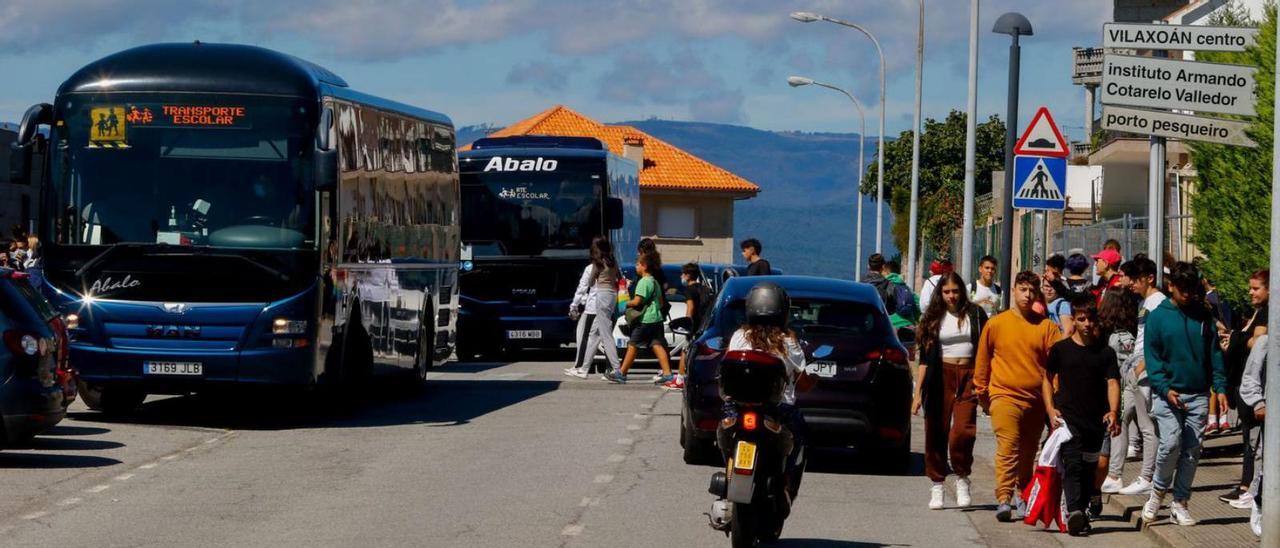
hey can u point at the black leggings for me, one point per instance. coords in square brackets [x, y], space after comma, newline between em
[1080, 460]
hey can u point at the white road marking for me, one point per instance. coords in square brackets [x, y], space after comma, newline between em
[572, 530]
[35, 515]
[70, 501]
[149, 466]
[168, 457]
[98, 488]
[211, 440]
[124, 477]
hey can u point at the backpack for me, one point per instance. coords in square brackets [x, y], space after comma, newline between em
[905, 302]
[888, 294]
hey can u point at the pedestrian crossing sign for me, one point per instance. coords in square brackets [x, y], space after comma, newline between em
[107, 127]
[1040, 182]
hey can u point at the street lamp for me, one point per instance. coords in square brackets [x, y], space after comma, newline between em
[797, 81]
[809, 17]
[914, 218]
[1015, 25]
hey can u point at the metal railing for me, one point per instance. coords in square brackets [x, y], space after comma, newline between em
[1130, 231]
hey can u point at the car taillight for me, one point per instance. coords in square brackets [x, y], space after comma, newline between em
[22, 343]
[892, 355]
[749, 421]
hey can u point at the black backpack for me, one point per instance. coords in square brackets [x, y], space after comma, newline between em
[888, 294]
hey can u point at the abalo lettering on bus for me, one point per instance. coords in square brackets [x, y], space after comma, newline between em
[498, 163]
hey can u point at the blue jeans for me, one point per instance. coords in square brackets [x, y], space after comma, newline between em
[1180, 434]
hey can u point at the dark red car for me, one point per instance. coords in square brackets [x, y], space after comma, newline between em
[863, 395]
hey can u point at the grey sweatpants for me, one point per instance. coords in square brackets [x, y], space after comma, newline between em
[1137, 411]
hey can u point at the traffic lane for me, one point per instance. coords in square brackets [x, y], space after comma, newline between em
[656, 498]
[499, 455]
[82, 454]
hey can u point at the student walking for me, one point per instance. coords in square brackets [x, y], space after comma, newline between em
[1118, 318]
[1253, 390]
[697, 302]
[1237, 346]
[1184, 362]
[949, 332]
[594, 304]
[648, 300]
[1008, 378]
[1141, 272]
[756, 265]
[1076, 282]
[1082, 394]
[984, 291]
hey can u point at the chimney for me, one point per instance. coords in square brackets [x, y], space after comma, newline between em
[633, 149]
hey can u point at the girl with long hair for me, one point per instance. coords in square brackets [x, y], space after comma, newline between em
[593, 307]
[948, 336]
[1236, 345]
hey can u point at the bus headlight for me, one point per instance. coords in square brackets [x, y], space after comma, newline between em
[72, 321]
[285, 326]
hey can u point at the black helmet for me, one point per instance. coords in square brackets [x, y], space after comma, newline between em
[768, 304]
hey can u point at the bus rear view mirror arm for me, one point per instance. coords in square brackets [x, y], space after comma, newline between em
[24, 148]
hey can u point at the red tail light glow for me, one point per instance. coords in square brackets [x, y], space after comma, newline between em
[749, 421]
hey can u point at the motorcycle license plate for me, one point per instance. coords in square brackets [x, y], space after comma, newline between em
[744, 457]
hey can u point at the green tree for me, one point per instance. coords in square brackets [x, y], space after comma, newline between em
[1231, 203]
[941, 209]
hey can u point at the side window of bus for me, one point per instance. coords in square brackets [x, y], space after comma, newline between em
[348, 133]
[369, 158]
[409, 147]
[442, 154]
[423, 146]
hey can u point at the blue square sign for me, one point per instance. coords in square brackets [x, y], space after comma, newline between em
[1040, 182]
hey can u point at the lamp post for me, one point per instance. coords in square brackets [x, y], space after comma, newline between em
[797, 81]
[914, 217]
[807, 17]
[970, 149]
[1015, 25]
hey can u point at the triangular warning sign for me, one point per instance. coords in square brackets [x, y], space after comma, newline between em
[1040, 184]
[1042, 138]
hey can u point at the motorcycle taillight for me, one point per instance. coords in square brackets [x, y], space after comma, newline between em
[749, 421]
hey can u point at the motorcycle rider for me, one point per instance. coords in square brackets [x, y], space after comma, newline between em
[768, 312]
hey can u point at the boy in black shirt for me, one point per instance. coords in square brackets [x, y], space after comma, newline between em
[756, 265]
[1087, 377]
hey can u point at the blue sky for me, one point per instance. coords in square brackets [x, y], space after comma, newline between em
[499, 61]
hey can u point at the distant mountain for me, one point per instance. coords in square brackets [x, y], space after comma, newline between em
[805, 214]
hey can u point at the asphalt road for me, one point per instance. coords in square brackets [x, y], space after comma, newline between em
[485, 455]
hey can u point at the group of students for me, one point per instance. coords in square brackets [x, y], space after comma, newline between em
[22, 253]
[1102, 358]
[596, 302]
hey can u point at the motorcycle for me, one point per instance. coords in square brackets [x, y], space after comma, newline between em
[754, 491]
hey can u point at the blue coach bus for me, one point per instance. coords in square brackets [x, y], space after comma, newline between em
[217, 214]
[530, 207]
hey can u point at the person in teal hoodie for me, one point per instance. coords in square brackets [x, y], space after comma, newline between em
[907, 312]
[1183, 362]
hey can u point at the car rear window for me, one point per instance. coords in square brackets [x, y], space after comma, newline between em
[815, 316]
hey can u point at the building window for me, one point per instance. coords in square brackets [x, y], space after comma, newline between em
[677, 222]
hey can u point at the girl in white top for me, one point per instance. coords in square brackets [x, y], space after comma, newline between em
[948, 334]
[593, 306]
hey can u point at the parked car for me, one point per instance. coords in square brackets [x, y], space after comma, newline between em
[37, 383]
[863, 394]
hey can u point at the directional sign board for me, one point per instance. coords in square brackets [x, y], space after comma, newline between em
[1040, 182]
[1178, 37]
[1178, 126]
[1042, 138]
[1185, 85]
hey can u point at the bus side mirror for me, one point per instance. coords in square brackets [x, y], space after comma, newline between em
[326, 157]
[614, 213]
[29, 140]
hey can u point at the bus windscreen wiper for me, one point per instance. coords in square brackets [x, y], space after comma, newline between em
[107, 253]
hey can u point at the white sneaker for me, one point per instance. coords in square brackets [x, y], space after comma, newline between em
[1140, 486]
[936, 495]
[963, 499]
[1111, 485]
[1132, 453]
[571, 371]
[656, 377]
[1180, 514]
[1152, 507]
[1245, 501]
[1255, 520]
[581, 374]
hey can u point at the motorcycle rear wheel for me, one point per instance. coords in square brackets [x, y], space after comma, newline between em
[742, 533]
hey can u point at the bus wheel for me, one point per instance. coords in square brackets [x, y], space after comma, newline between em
[357, 358]
[90, 394]
[426, 353]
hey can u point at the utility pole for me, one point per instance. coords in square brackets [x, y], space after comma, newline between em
[970, 149]
[913, 233]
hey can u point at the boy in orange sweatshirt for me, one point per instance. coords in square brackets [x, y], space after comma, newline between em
[1008, 374]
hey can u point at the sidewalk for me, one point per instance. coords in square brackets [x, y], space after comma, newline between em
[1220, 524]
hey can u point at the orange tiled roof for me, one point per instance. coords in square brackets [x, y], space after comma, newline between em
[667, 167]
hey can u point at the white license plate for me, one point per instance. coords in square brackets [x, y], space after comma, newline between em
[524, 334]
[824, 369]
[621, 342]
[172, 368]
